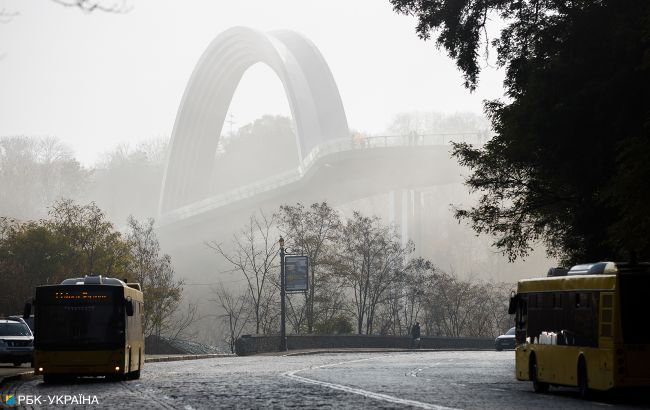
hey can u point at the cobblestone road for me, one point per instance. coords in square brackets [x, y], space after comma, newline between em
[433, 380]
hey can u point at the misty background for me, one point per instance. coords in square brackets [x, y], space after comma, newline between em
[88, 103]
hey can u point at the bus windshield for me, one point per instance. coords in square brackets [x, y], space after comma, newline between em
[79, 320]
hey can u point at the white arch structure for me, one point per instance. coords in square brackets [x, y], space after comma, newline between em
[313, 97]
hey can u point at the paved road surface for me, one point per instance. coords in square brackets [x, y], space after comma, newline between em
[429, 380]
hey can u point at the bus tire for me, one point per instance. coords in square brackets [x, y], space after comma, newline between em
[18, 364]
[538, 387]
[112, 378]
[583, 379]
[53, 378]
[134, 375]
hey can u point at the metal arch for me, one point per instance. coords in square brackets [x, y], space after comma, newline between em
[313, 97]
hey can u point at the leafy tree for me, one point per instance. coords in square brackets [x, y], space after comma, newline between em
[155, 274]
[30, 255]
[568, 164]
[314, 230]
[439, 123]
[91, 243]
[243, 158]
[77, 240]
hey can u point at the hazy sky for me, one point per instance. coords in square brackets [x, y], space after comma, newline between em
[96, 80]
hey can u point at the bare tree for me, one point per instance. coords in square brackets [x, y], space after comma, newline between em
[181, 320]
[97, 5]
[406, 301]
[254, 253]
[126, 180]
[500, 320]
[466, 308]
[37, 171]
[7, 16]
[236, 314]
[452, 307]
[370, 261]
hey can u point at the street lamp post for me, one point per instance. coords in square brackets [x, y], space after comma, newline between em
[283, 330]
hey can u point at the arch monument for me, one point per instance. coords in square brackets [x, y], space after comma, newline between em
[312, 93]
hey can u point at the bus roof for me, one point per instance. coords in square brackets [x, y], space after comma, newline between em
[588, 276]
[574, 282]
[93, 280]
[98, 280]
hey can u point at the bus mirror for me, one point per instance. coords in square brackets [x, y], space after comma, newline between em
[514, 301]
[128, 305]
[27, 312]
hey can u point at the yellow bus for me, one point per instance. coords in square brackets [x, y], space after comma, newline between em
[89, 326]
[585, 327]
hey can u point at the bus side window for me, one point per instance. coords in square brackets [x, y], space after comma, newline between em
[520, 320]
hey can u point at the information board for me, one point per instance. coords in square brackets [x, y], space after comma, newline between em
[296, 271]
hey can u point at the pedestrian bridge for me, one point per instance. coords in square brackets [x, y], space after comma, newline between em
[339, 172]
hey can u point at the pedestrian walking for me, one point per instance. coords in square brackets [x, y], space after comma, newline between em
[415, 336]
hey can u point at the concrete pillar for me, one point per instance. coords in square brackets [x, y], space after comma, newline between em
[405, 213]
[416, 222]
[406, 210]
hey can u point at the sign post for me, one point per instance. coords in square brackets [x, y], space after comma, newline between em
[294, 278]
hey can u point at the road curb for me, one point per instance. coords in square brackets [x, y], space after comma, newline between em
[30, 373]
[361, 350]
[18, 376]
[185, 357]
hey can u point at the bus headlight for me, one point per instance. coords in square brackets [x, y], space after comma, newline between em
[40, 369]
[117, 368]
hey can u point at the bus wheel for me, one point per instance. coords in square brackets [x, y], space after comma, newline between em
[583, 379]
[116, 377]
[18, 364]
[52, 378]
[134, 375]
[539, 387]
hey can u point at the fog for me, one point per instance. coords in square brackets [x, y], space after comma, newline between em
[90, 102]
[95, 80]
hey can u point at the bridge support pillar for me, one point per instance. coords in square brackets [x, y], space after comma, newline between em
[405, 213]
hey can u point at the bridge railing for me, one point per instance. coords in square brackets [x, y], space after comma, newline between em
[332, 147]
[389, 141]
